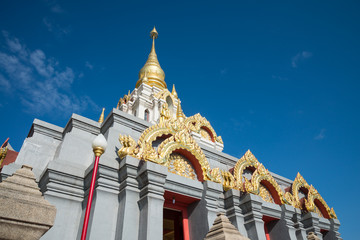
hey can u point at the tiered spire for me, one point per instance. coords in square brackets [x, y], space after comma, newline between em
[151, 73]
[179, 112]
[174, 91]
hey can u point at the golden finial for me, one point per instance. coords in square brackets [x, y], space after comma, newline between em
[174, 91]
[154, 34]
[151, 72]
[101, 119]
[179, 113]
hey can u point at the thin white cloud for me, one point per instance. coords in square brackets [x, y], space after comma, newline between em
[54, 6]
[41, 85]
[4, 83]
[57, 8]
[56, 29]
[89, 65]
[321, 135]
[301, 56]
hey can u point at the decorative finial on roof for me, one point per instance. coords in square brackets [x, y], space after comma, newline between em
[151, 71]
[179, 112]
[101, 119]
[174, 91]
[154, 34]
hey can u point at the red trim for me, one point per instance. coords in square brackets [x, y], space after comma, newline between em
[272, 191]
[5, 143]
[266, 232]
[181, 203]
[321, 208]
[267, 220]
[89, 202]
[209, 132]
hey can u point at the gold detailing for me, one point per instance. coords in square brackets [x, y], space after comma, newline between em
[298, 183]
[265, 194]
[178, 164]
[101, 118]
[317, 211]
[98, 151]
[173, 92]
[197, 123]
[313, 200]
[219, 139]
[154, 34]
[164, 113]
[332, 213]
[128, 146]
[3, 152]
[163, 94]
[124, 100]
[263, 176]
[205, 134]
[215, 175]
[151, 72]
[246, 161]
[228, 180]
[180, 153]
[176, 135]
[179, 113]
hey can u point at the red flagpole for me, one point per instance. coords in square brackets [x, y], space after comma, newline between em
[89, 202]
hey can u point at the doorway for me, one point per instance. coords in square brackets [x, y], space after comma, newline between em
[172, 225]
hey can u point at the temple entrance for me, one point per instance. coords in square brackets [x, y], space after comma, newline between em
[175, 218]
[172, 225]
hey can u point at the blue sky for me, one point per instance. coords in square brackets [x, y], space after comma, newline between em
[279, 78]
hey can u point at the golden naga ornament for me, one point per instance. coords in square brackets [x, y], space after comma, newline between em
[176, 136]
[265, 194]
[171, 144]
[3, 152]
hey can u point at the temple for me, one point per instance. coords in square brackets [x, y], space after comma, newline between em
[164, 175]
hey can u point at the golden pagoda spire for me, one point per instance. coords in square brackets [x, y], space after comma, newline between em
[151, 72]
[101, 119]
[173, 92]
[179, 113]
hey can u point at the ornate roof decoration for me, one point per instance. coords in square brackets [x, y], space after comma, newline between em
[260, 177]
[179, 113]
[175, 134]
[126, 98]
[178, 164]
[163, 94]
[151, 73]
[197, 122]
[246, 161]
[313, 200]
[171, 143]
[173, 92]
[177, 139]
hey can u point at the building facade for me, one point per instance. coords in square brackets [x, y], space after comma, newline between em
[163, 175]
